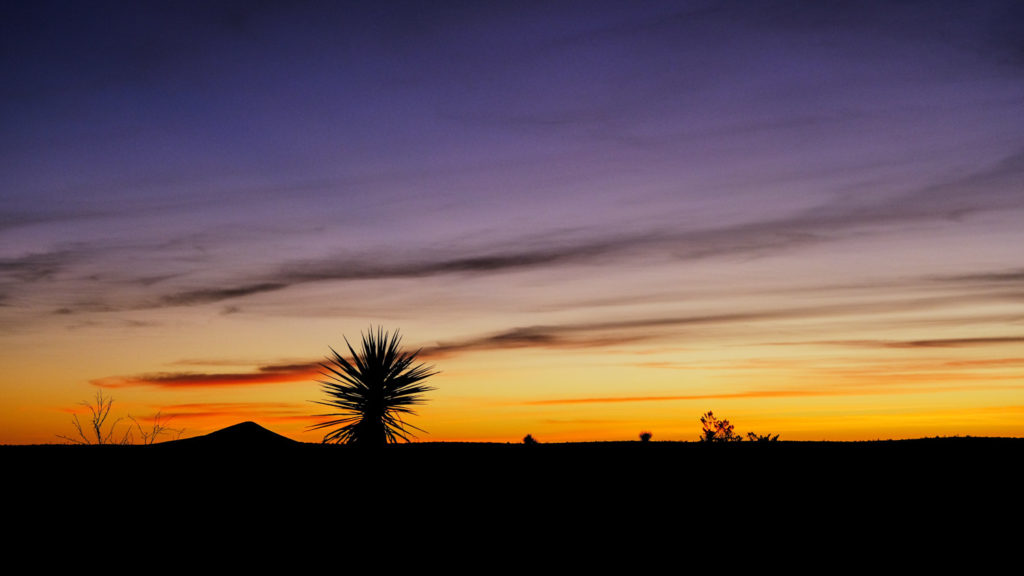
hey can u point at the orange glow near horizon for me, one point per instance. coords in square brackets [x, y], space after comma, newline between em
[500, 396]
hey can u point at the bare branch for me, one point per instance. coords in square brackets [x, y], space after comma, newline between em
[159, 427]
[100, 411]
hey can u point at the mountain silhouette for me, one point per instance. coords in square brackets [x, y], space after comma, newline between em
[243, 435]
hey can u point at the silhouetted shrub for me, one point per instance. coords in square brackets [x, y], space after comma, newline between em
[529, 440]
[758, 438]
[716, 430]
[645, 436]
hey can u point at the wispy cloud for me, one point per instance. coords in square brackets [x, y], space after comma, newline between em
[995, 188]
[986, 363]
[537, 337]
[1013, 276]
[237, 411]
[269, 374]
[37, 266]
[627, 399]
[795, 393]
[208, 295]
[928, 343]
[611, 333]
[955, 342]
[541, 337]
[614, 332]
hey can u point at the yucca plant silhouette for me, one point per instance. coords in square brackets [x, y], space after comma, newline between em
[373, 391]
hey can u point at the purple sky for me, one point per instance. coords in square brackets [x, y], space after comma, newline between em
[533, 170]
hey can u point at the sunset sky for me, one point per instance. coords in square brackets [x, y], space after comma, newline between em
[595, 218]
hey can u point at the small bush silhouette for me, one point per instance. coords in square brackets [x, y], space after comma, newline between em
[529, 440]
[716, 430]
[645, 436]
[753, 437]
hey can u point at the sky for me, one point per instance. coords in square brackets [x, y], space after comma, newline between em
[593, 218]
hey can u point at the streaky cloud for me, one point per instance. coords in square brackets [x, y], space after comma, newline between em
[37, 266]
[992, 189]
[927, 343]
[588, 335]
[304, 272]
[192, 406]
[206, 296]
[628, 399]
[1015, 276]
[484, 263]
[618, 332]
[956, 342]
[270, 374]
[541, 337]
[275, 410]
[995, 188]
[795, 393]
[200, 412]
[990, 363]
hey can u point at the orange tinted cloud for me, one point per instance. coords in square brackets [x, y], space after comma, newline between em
[930, 343]
[765, 394]
[270, 374]
[239, 411]
[751, 394]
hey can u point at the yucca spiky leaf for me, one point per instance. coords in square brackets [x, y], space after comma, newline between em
[372, 391]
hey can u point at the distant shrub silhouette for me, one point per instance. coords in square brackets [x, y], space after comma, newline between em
[645, 436]
[715, 430]
[529, 440]
[373, 391]
[753, 437]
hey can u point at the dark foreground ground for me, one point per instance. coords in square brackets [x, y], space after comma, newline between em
[250, 494]
[247, 497]
[257, 493]
[245, 465]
